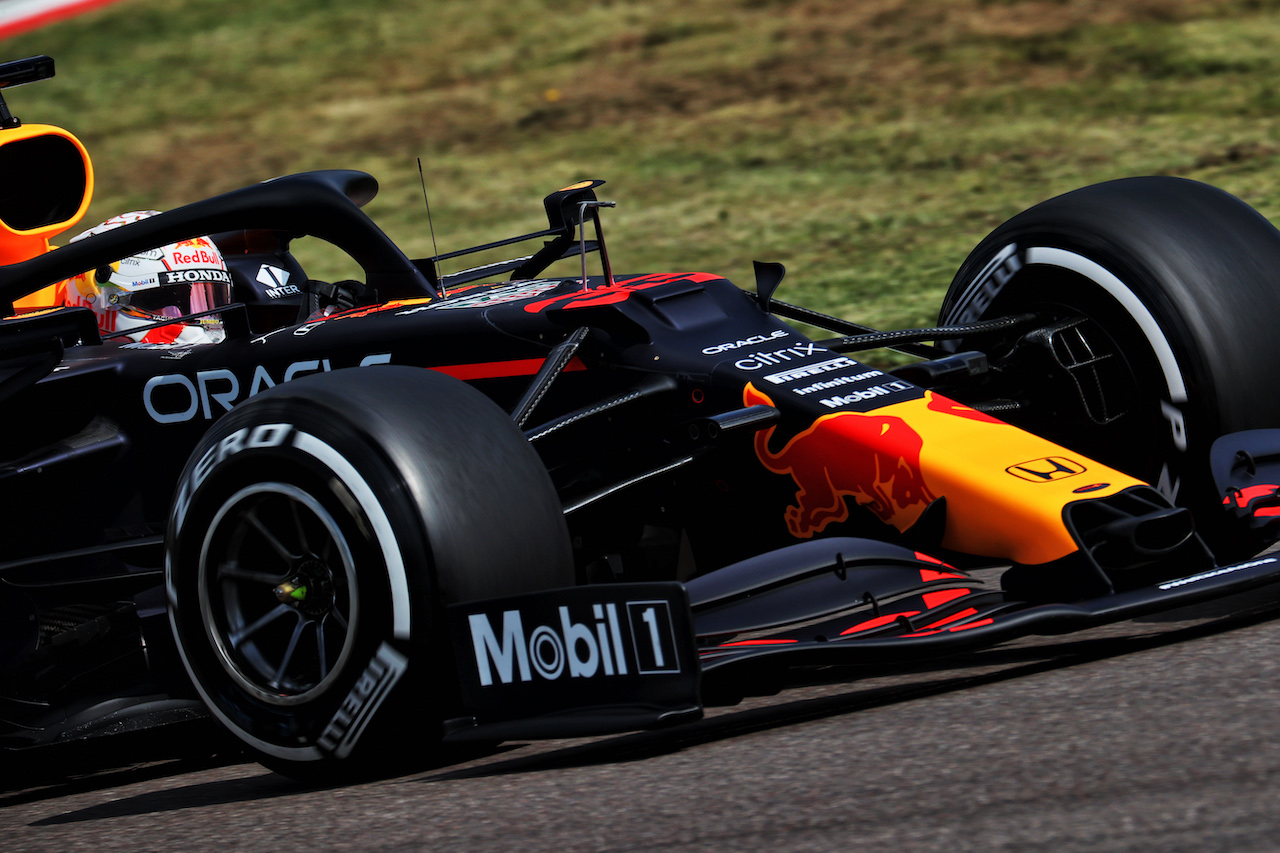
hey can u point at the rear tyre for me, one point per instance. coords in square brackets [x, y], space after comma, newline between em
[317, 533]
[1164, 297]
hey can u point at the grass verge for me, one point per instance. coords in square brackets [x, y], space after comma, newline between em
[867, 145]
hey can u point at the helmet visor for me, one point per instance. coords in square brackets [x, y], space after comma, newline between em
[178, 300]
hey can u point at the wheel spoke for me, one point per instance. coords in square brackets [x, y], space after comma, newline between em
[275, 551]
[276, 545]
[234, 571]
[294, 508]
[235, 637]
[324, 661]
[288, 653]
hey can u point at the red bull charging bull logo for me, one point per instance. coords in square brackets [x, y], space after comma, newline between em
[875, 459]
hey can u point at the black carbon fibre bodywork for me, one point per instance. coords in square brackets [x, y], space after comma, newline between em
[645, 399]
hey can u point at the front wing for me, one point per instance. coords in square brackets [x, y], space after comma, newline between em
[621, 657]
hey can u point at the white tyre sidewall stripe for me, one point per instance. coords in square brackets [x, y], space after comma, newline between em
[392, 559]
[1104, 278]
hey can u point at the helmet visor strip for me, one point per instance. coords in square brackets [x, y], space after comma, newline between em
[190, 298]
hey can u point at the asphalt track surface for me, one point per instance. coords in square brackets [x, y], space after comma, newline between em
[1153, 735]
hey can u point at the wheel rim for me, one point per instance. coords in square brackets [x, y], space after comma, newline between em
[278, 594]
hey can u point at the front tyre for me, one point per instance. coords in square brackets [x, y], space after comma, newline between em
[317, 532]
[1158, 300]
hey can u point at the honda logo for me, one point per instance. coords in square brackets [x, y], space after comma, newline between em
[1046, 470]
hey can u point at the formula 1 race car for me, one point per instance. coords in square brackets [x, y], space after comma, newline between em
[386, 514]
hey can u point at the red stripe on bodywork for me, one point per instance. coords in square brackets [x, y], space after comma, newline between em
[936, 627]
[941, 597]
[878, 622]
[977, 624]
[500, 369]
[754, 643]
[619, 291]
[927, 575]
[1243, 497]
[954, 617]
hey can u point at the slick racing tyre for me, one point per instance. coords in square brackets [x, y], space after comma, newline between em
[1158, 306]
[318, 531]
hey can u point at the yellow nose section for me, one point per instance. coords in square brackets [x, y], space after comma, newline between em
[1005, 488]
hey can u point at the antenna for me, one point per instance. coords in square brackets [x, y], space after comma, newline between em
[435, 250]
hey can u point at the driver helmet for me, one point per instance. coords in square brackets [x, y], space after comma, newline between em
[167, 282]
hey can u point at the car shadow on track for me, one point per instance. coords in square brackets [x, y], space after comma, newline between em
[236, 787]
[55, 771]
[202, 794]
[1005, 663]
